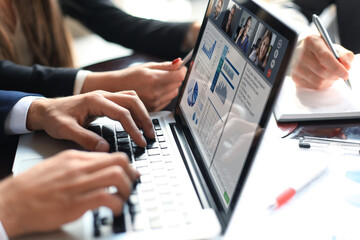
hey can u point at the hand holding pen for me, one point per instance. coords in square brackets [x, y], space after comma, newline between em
[324, 34]
[316, 67]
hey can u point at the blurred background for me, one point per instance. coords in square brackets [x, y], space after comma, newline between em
[89, 48]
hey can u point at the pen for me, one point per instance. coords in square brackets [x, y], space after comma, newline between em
[289, 193]
[186, 59]
[324, 34]
[305, 142]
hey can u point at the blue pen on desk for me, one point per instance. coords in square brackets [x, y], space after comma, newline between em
[324, 34]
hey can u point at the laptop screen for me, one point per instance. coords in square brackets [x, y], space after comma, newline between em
[237, 67]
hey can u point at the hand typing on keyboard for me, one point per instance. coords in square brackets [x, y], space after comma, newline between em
[62, 188]
[65, 118]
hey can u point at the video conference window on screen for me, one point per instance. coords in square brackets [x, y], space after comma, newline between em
[227, 89]
[250, 35]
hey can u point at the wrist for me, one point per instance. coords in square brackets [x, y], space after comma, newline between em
[96, 81]
[7, 216]
[35, 114]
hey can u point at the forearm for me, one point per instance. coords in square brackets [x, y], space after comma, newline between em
[48, 81]
[154, 37]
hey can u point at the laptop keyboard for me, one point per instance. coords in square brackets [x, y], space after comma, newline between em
[158, 200]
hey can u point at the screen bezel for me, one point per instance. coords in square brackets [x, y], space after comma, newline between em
[288, 33]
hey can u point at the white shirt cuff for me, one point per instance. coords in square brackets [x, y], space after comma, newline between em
[3, 235]
[79, 81]
[15, 122]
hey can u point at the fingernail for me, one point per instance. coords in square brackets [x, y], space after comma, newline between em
[176, 61]
[101, 146]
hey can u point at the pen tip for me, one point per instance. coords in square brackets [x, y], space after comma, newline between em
[347, 81]
[272, 207]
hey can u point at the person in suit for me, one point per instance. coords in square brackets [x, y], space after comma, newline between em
[47, 196]
[45, 42]
[65, 118]
[315, 66]
[51, 199]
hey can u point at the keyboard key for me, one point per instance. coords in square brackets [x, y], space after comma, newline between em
[140, 164]
[122, 134]
[124, 141]
[108, 131]
[163, 145]
[146, 179]
[134, 209]
[119, 224]
[139, 222]
[152, 152]
[144, 170]
[141, 157]
[156, 121]
[166, 152]
[155, 158]
[156, 222]
[153, 145]
[157, 166]
[95, 128]
[159, 133]
[150, 140]
[161, 139]
[134, 199]
[157, 127]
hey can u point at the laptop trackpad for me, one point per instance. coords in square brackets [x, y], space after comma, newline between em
[33, 148]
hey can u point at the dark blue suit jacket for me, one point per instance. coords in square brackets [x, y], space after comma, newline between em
[102, 17]
[7, 101]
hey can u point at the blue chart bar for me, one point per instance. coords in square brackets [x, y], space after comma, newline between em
[209, 52]
[218, 70]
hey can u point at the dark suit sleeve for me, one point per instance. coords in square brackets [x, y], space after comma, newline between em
[7, 101]
[310, 7]
[154, 37]
[48, 81]
[348, 16]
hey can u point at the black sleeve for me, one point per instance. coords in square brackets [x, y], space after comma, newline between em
[154, 37]
[48, 81]
[310, 7]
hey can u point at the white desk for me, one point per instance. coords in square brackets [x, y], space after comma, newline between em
[322, 211]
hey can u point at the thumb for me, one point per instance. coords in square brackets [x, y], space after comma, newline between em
[346, 56]
[86, 138]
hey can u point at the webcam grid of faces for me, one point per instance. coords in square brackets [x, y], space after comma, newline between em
[252, 37]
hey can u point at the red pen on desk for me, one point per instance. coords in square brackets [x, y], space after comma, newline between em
[289, 193]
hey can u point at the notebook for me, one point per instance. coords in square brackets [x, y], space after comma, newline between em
[336, 102]
[193, 172]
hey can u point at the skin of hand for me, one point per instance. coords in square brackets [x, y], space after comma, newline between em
[155, 83]
[65, 118]
[48, 196]
[316, 67]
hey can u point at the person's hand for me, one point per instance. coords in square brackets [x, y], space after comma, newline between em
[47, 196]
[155, 83]
[65, 118]
[315, 65]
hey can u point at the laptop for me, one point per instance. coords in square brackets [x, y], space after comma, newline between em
[192, 174]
